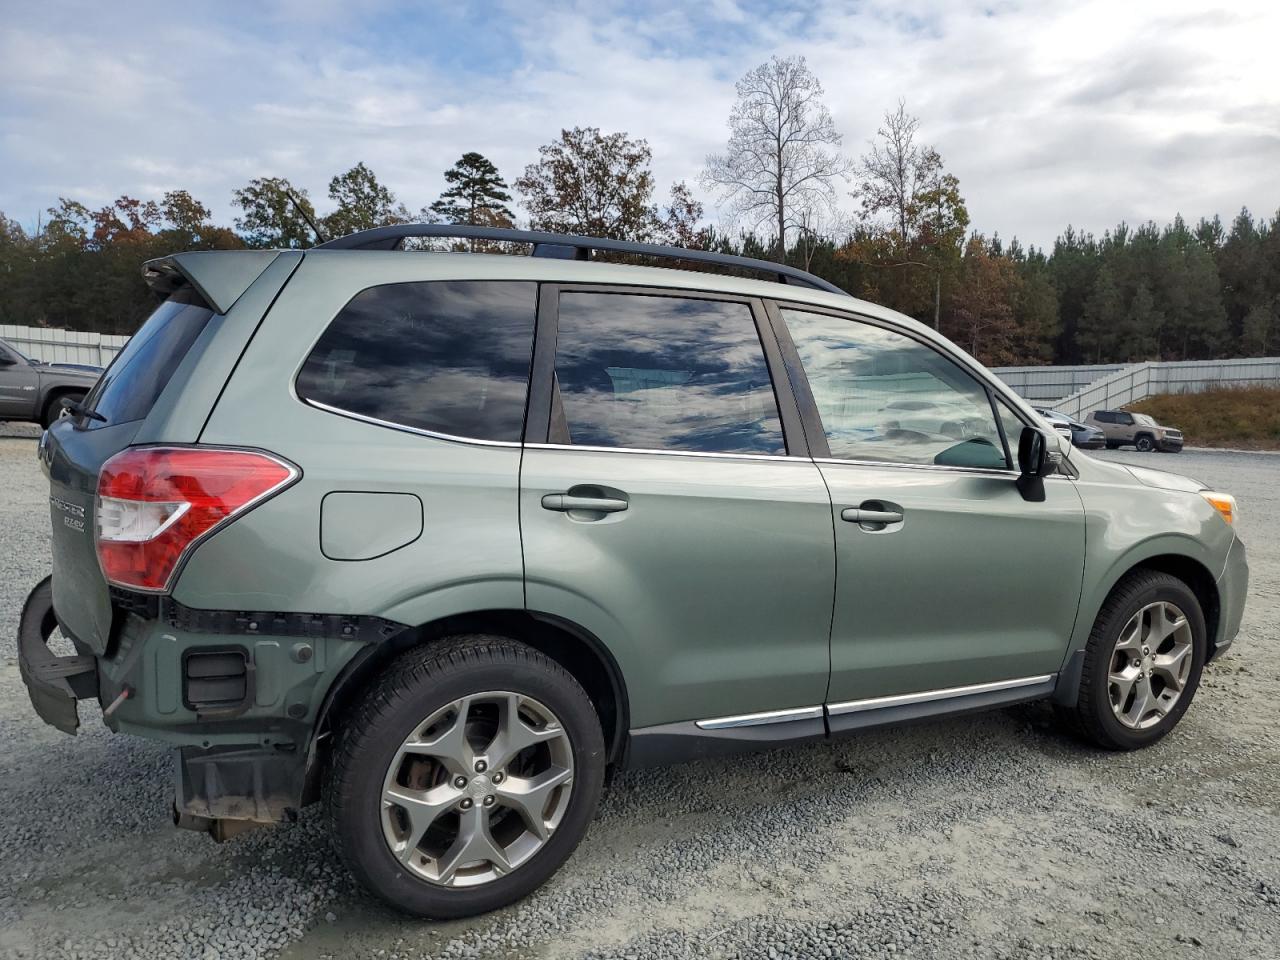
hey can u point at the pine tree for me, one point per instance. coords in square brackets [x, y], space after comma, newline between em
[1103, 316]
[1261, 324]
[477, 194]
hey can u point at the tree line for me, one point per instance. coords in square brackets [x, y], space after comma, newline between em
[1147, 292]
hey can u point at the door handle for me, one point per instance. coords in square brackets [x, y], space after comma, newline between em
[859, 515]
[564, 502]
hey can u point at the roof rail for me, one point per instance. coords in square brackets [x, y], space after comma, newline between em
[566, 247]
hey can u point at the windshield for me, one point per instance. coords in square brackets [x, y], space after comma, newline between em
[134, 380]
[15, 350]
[1143, 419]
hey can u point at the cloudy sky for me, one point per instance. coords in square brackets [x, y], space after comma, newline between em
[1049, 113]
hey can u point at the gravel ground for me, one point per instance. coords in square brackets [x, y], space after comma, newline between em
[989, 836]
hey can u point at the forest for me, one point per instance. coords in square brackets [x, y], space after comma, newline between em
[1151, 291]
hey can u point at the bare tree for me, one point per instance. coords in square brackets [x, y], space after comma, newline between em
[910, 203]
[817, 223]
[781, 152]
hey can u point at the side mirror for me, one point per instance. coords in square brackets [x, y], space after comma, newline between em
[6, 360]
[1034, 462]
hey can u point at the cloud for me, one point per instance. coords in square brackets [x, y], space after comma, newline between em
[1049, 114]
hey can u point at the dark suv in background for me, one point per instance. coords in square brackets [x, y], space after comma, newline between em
[35, 391]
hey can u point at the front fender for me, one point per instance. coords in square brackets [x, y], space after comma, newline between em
[1127, 526]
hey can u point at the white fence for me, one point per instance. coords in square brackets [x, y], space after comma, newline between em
[1053, 383]
[1125, 385]
[63, 346]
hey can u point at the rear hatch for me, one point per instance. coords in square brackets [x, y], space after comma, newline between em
[74, 450]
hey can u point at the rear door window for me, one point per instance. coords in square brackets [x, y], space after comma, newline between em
[663, 373]
[139, 373]
[449, 357]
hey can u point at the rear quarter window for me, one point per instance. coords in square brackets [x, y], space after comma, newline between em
[449, 357]
[129, 388]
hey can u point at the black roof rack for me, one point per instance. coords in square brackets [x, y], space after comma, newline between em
[566, 247]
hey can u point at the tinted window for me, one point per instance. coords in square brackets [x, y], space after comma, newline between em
[884, 396]
[451, 357]
[1103, 417]
[139, 373]
[664, 373]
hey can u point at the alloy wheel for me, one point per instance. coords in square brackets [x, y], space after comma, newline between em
[477, 789]
[1150, 665]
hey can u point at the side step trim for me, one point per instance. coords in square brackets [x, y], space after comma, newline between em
[926, 696]
[756, 719]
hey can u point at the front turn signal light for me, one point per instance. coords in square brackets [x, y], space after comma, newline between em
[1224, 503]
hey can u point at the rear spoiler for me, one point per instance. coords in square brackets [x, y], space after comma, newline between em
[219, 276]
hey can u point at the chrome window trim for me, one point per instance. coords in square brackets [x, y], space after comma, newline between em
[418, 431]
[925, 696]
[667, 453]
[985, 471]
[980, 471]
[756, 719]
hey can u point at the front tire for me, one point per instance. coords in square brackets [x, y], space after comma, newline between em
[1142, 663]
[465, 776]
[54, 409]
[1144, 444]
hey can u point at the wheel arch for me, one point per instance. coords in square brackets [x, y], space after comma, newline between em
[1191, 571]
[576, 649]
[56, 393]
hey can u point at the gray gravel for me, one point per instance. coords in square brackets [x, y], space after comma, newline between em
[989, 836]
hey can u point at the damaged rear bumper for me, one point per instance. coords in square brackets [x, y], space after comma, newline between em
[240, 695]
[53, 683]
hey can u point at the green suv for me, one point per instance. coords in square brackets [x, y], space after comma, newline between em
[441, 538]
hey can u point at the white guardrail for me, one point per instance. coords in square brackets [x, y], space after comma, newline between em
[63, 346]
[1121, 385]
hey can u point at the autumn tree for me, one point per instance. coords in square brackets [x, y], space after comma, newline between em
[981, 315]
[276, 214]
[680, 220]
[591, 183]
[782, 156]
[127, 220]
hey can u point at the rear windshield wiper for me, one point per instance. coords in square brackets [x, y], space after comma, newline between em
[77, 409]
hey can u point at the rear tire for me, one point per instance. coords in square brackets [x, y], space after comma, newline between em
[1125, 644]
[54, 410]
[1112, 445]
[438, 729]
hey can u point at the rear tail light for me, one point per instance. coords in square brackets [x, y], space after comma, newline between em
[156, 503]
